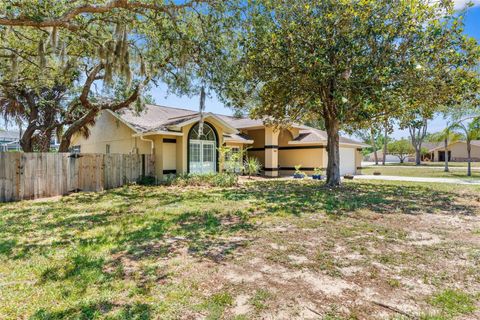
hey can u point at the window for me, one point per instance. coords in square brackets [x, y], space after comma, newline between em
[208, 153]
[107, 149]
[202, 149]
[207, 133]
[231, 153]
[194, 152]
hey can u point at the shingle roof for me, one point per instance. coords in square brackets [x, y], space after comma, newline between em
[240, 137]
[152, 117]
[431, 145]
[158, 118]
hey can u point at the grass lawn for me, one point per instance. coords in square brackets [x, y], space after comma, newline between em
[436, 164]
[264, 250]
[424, 171]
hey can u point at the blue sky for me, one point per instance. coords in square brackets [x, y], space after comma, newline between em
[472, 28]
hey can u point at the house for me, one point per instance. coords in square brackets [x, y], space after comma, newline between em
[9, 141]
[389, 158]
[172, 136]
[457, 151]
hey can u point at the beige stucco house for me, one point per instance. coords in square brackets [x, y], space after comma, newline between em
[457, 151]
[171, 135]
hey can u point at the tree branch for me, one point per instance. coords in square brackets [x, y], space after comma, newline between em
[65, 21]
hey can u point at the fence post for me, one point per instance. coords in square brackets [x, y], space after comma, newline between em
[19, 183]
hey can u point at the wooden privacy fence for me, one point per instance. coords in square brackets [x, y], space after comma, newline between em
[39, 175]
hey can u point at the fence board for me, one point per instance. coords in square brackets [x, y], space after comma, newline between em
[38, 175]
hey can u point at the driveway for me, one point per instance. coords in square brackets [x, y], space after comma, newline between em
[419, 179]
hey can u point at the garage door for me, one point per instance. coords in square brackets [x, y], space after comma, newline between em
[347, 161]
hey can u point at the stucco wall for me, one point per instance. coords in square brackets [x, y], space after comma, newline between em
[307, 158]
[258, 137]
[109, 130]
[284, 137]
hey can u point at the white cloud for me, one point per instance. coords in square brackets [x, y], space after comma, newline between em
[460, 4]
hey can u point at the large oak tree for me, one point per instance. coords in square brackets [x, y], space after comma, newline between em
[115, 49]
[338, 60]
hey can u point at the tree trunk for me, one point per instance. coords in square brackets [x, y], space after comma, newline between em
[372, 142]
[418, 156]
[74, 128]
[26, 142]
[333, 149]
[385, 137]
[446, 155]
[469, 155]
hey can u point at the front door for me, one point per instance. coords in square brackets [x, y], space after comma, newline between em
[202, 157]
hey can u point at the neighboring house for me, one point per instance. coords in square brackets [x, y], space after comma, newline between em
[390, 158]
[172, 135]
[457, 151]
[9, 141]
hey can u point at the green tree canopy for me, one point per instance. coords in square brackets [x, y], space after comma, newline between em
[346, 62]
[400, 148]
[105, 54]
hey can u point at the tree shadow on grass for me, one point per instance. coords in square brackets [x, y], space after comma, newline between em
[138, 311]
[63, 220]
[204, 233]
[296, 198]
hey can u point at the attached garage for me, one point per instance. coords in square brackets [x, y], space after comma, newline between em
[347, 161]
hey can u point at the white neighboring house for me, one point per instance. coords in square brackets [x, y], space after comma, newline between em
[390, 158]
[10, 141]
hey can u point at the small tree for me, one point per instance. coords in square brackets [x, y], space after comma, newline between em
[400, 148]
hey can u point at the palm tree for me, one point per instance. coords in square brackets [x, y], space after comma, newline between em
[447, 136]
[471, 132]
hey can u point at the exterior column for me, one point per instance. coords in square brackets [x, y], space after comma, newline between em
[271, 152]
[358, 161]
[158, 152]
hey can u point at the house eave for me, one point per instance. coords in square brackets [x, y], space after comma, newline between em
[238, 141]
[159, 132]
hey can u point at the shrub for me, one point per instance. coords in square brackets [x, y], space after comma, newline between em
[212, 180]
[298, 172]
[252, 166]
[147, 181]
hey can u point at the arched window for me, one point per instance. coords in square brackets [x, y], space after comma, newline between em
[202, 149]
[207, 135]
